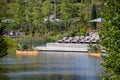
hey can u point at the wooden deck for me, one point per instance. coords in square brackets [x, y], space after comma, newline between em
[63, 47]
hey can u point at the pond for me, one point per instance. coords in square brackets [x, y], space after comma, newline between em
[51, 66]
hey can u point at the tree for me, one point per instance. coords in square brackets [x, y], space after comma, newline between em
[94, 15]
[68, 11]
[3, 43]
[47, 9]
[110, 39]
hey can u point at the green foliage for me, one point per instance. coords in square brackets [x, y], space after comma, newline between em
[29, 15]
[3, 47]
[94, 48]
[19, 47]
[46, 8]
[11, 42]
[3, 44]
[25, 47]
[110, 39]
[82, 31]
[35, 41]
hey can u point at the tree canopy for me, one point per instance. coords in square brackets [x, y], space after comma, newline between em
[29, 15]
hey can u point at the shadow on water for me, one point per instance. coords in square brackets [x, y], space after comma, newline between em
[3, 70]
[51, 66]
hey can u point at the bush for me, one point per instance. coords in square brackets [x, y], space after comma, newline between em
[3, 47]
[25, 47]
[11, 43]
[93, 48]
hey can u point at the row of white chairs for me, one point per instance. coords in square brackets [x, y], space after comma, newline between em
[79, 39]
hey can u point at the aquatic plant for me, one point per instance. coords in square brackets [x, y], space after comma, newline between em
[94, 48]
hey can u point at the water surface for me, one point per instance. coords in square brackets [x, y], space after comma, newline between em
[51, 66]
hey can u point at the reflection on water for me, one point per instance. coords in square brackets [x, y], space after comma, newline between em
[51, 66]
[3, 70]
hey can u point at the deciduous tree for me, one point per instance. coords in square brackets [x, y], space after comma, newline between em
[110, 39]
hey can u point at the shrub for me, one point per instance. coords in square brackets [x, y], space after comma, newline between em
[93, 48]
